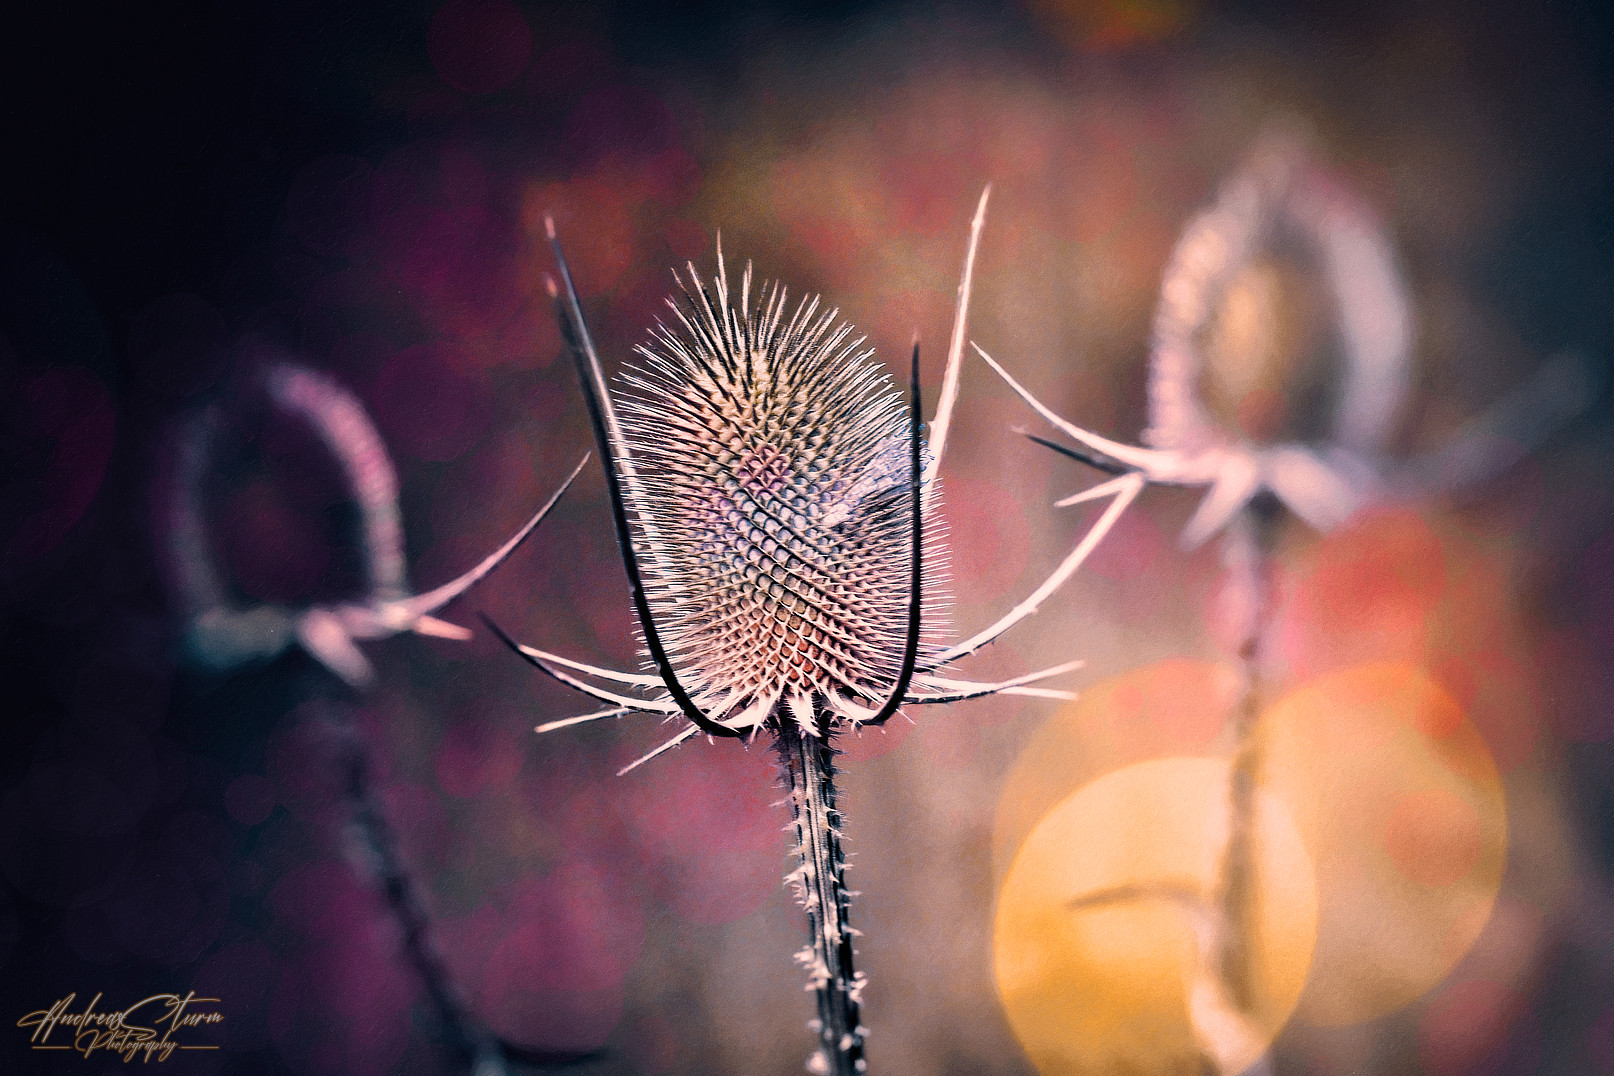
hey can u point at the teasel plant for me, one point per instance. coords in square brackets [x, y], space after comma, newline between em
[221, 635]
[1278, 202]
[776, 508]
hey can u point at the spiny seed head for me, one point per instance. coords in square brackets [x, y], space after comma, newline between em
[768, 465]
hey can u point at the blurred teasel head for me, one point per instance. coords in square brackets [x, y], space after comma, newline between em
[1282, 357]
[1280, 352]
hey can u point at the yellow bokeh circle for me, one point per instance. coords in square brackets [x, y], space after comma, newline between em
[1100, 939]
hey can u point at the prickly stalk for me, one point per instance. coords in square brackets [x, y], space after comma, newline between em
[820, 879]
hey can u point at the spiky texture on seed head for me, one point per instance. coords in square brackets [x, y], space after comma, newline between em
[767, 466]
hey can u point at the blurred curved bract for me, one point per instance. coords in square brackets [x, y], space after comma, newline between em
[222, 635]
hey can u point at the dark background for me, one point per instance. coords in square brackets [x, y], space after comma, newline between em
[149, 151]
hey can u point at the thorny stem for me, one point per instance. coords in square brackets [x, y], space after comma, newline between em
[1248, 557]
[821, 885]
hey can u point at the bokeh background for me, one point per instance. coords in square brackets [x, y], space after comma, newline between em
[190, 193]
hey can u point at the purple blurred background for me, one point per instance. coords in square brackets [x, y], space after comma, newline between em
[190, 194]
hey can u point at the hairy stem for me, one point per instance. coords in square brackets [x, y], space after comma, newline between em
[820, 878]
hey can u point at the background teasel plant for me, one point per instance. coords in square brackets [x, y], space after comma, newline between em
[1280, 361]
[221, 636]
[775, 509]
[1225, 329]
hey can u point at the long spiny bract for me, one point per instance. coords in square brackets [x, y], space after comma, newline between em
[775, 505]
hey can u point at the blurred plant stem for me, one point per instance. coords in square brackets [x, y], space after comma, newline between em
[820, 877]
[374, 844]
[1248, 558]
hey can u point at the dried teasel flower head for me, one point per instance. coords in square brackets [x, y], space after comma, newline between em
[775, 504]
[771, 489]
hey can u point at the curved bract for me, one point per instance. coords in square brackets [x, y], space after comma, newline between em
[221, 635]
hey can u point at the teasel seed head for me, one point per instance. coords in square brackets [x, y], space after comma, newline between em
[767, 465]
